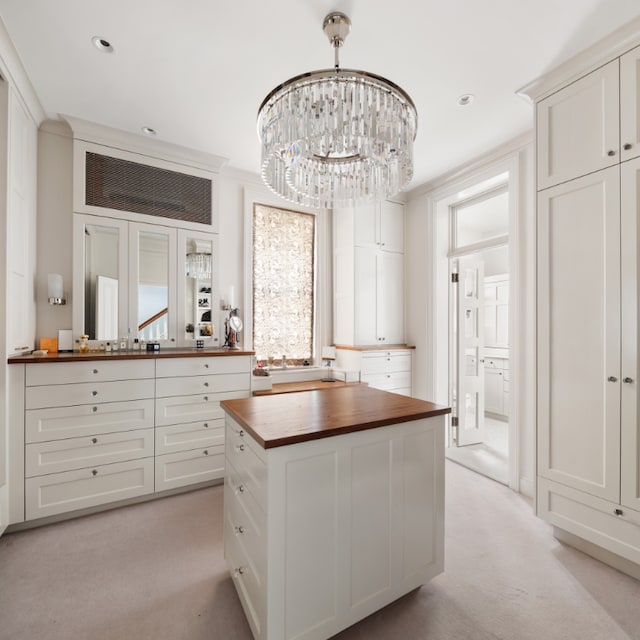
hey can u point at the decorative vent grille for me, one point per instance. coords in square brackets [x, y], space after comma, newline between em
[129, 186]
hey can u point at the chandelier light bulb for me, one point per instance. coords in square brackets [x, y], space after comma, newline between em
[337, 137]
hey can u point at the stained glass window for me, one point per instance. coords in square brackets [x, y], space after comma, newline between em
[283, 284]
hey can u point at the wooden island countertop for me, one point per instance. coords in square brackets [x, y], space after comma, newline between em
[290, 418]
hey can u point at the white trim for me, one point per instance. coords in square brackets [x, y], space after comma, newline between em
[612, 46]
[323, 270]
[440, 201]
[135, 143]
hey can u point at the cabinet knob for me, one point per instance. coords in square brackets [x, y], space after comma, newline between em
[612, 379]
[206, 452]
[239, 571]
[95, 371]
[94, 393]
[240, 447]
[206, 366]
[206, 384]
[206, 425]
[94, 472]
[611, 152]
[94, 440]
[627, 380]
[240, 433]
[239, 530]
[618, 512]
[627, 146]
[94, 409]
[241, 488]
[206, 398]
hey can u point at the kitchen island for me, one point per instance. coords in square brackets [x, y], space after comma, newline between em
[334, 506]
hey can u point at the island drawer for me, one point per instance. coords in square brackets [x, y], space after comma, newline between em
[87, 393]
[92, 371]
[53, 423]
[251, 469]
[60, 492]
[191, 385]
[243, 491]
[172, 367]
[388, 381]
[189, 467]
[78, 453]
[192, 435]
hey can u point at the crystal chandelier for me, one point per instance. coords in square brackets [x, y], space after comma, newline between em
[337, 137]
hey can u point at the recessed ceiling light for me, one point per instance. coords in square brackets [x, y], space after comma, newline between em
[148, 131]
[102, 44]
[466, 99]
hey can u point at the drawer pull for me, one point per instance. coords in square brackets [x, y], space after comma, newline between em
[206, 425]
[239, 571]
[94, 409]
[618, 512]
[611, 152]
[95, 371]
[94, 393]
[241, 488]
[206, 366]
[627, 380]
[206, 398]
[627, 146]
[94, 440]
[240, 433]
[239, 530]
[94, 472]
[240, 447]
[612, 379]
[206, 452]
[206, 384]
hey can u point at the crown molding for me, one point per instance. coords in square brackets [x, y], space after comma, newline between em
[137, 143]
[612, 46]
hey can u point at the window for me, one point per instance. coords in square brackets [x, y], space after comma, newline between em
[283, 284]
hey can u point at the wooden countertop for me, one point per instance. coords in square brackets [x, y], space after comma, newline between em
[306, 385]
[128, 355]
[290, 418]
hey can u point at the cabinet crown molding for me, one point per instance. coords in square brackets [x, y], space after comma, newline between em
[135, 143]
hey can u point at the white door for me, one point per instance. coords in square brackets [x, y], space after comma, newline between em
[469, 344]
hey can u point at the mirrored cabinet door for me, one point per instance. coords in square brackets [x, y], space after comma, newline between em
[100, 283]
[198, 296]
[152, 273]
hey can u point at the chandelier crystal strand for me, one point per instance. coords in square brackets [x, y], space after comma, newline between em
[337, 137]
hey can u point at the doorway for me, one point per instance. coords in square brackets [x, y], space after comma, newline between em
[479, 363]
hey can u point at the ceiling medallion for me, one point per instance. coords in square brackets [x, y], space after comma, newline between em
[337, 137]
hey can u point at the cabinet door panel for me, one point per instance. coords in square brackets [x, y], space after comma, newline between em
[493, 391]
[579, 334]
[366, 230]
[578, 127]
[630, 433]
[392, 226]
[630, 104]
[390, 297]
[365, 296]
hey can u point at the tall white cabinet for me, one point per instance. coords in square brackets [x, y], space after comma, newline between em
[369, 275]
[588, 274]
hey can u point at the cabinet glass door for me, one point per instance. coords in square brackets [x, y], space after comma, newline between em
[197, 288]
[152, 301]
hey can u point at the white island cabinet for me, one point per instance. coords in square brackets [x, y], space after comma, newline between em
[334, 506]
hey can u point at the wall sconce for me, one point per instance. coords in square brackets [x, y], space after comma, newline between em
[55, 288]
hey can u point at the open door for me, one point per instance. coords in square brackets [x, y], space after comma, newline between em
[468, 421]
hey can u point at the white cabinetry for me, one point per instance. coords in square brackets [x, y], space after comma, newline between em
[109, 458]
[588, 270]
[496, 386]
[496, 311]
[369, 275]
[320, 534]
[386, 369]
[189, 420]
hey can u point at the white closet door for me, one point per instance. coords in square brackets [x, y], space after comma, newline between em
[630, 434]
[579, 333]
[578, 127]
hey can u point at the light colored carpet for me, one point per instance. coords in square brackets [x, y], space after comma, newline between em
[156, 571]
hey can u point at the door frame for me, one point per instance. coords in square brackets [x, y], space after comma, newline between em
[441, 202]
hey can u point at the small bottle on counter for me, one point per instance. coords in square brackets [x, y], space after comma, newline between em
[143, 344]
[108, 347]
[123, 343]
[114, 346]
[136, 344]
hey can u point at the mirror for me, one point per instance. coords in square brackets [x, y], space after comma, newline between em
[153, 286]
[198, 292]
[101, 263]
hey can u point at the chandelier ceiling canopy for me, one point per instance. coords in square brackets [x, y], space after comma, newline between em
[337, 137]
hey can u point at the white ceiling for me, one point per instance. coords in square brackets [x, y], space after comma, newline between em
[197, 70]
